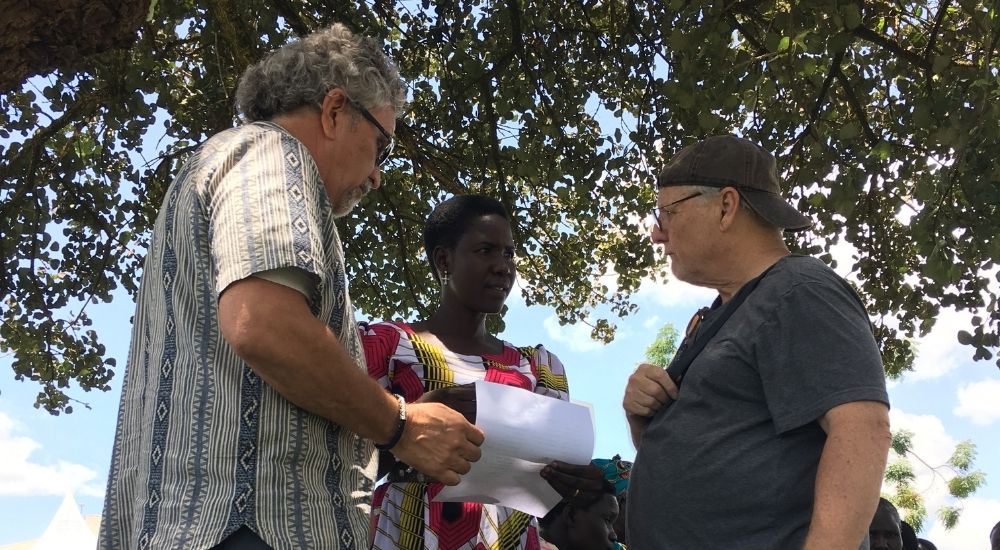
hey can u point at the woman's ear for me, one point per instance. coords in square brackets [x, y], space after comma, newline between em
[442, 260]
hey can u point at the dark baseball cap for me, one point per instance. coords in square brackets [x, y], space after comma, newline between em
[730, 161]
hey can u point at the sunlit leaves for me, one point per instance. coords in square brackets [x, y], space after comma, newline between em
[664, 346]
[956, 473]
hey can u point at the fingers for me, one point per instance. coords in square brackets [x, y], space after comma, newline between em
[649, 387]
[582, 483]
[460, 398]
[439, 442]
[476, 436]
[658, 376]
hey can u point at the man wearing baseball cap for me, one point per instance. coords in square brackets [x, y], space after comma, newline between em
[769, 429]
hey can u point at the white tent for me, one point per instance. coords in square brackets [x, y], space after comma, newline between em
[67, 530]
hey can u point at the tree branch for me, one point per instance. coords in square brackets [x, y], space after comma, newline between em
[292, 16]
[942, 11]
[876, 38]
[857, 108]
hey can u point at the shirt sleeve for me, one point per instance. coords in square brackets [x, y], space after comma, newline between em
[264, 210]
[379, 341]
[551, 374]
[817, 352]
[292, 277]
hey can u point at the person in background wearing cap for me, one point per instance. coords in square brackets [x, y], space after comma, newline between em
[770, 428]
[617, 472]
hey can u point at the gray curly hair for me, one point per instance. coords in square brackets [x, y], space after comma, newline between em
[302, 72]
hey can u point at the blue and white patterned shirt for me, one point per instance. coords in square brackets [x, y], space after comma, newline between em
[203, 445]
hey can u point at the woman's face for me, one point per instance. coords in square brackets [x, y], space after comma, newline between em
[593, 527]
[481, 268]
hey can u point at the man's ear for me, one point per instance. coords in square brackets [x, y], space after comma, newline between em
[333, 109]
[730, 202]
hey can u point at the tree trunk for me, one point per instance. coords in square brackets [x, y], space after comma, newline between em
[37, 36]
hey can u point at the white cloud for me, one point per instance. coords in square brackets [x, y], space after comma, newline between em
[576, 336]
[978, 401]
[845, 254]
[979, 515]
[20, 475]
[674, 293]
[939, 351]
[652, 322]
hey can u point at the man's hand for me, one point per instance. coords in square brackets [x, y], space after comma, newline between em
[581, 484]
[439, 442]
[648, 389]
[461, 398]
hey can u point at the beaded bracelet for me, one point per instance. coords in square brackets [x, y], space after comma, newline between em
[400, 426]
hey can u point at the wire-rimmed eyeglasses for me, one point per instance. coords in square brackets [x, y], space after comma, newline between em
[660, 215]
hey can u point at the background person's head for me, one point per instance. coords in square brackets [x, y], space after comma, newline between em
[342, 93]
[617, 472]
[909, 536]
[572, 526]
[718, 199]
[924, 544]
[470, 249]
[884, 531]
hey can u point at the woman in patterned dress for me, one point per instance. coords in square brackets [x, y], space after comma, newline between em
[470, 248]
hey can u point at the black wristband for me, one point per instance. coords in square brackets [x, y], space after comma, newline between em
[400, 426]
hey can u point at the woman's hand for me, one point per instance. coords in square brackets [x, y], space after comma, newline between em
[460, 398]
[581, 484]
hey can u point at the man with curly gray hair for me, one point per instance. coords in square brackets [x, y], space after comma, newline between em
[247, 417]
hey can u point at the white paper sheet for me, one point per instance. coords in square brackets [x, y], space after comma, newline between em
[524, 432]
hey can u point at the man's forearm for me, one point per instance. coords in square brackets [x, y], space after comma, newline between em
[270, 327]
[849, 477]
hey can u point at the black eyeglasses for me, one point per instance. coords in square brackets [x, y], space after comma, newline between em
[390, 142]
[661, 214]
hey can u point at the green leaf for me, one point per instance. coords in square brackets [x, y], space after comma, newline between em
[902, 441]
[850, 131]
[852, 16]
[941, 62]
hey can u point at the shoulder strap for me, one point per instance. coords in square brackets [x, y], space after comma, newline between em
[700, 334]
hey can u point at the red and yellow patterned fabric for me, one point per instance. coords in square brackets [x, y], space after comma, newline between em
[403, 514]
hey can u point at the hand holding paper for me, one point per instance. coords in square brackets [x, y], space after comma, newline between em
[524, 433]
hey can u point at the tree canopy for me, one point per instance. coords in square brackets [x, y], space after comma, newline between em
[661, 351]
[884, 117]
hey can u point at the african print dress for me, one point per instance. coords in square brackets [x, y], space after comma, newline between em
[403, 514]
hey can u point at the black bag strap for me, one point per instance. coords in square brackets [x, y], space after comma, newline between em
[699, 334]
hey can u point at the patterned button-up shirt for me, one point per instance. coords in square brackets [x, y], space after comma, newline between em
[203, 445]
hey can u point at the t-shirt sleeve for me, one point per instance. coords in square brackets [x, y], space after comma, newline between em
[263, 212]
[817, 352]
[379, 342]
[551, 374]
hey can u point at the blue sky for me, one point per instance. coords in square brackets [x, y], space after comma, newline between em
[946, 399]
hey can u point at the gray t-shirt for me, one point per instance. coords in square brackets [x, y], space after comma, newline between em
[732, 462]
